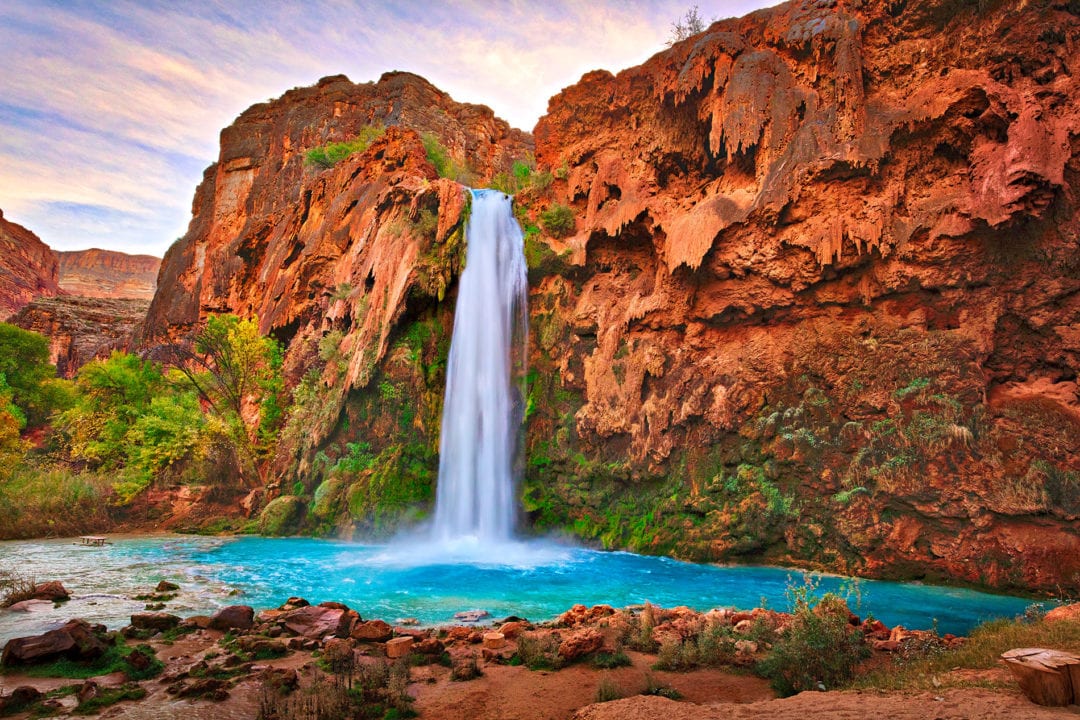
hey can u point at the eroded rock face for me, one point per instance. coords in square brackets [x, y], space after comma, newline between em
[108, 274]
[332, 261]
[28, 268]
[820, 306]
[822, 299]
[81, 329]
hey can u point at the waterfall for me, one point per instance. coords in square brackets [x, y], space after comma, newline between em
[482, 407]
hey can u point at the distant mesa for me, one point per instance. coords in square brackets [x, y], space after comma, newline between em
[107, 274]
[30, 269]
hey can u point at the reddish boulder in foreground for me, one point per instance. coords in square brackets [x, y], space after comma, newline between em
[76, 639]
[52, 590]
[233, 617]
[316, 622]
[580, 644]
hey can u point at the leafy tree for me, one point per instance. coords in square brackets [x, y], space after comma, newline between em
[237, 372]
[24, 364]
[12, 421]
[112, 395]
[686, 26]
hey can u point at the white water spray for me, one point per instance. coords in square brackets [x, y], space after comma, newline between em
[482, 408]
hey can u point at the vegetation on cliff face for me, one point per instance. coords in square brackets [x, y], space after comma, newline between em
[329, 155]
[132, 421]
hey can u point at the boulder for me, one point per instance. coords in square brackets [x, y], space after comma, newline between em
[202, 622]
[284, 680]
[19, 699]
[261, 646]
[154, 621]
[1067, 613]
[580, 644]
[399, 647]
[166, 586]
[315, 622]
[512, 629]
[372, 631]
[582, 615]
[233, 617]
[87, 691]
[429, 646]
[140, 659]
[337, 651]
[76, 639]
[294, 602]
[52, 590]
[471, 616]
[1046, 677]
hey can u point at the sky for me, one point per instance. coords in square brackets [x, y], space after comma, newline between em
[110, 110]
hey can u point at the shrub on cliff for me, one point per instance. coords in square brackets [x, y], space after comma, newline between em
[557, 221]
[331, 154]
[445, 164]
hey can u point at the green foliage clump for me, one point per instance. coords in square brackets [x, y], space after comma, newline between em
[557, 221]
[27, 379]
[522, 177]
[820, 647]
[43, 502]
[332, 153]
[281, 515]
[445, 164]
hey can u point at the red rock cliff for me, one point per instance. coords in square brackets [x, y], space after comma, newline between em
[820, 306]
[823, 297]
[81, 329]
[107, 274]
[329, 259]
[28, 268]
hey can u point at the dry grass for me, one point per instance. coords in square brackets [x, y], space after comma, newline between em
[981, 651]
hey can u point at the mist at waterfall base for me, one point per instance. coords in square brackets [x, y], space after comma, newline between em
[467, 558]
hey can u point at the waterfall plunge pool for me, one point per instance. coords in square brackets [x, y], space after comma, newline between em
[537, 580]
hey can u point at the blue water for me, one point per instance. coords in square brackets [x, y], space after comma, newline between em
[534, 580]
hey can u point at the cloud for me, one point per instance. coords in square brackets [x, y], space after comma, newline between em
[109, 111]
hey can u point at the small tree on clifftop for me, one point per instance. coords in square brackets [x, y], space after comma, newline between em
[686, 26]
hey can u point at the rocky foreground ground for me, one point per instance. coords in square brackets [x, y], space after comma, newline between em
[323, 661]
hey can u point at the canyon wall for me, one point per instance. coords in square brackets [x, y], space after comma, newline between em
[28, 268]
[81, 329]
[820, 305]
[822, 302]
[107, 274]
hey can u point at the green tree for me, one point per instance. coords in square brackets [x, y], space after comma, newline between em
[237, 372]
[12, 421]
[111, 396]
[24, 364]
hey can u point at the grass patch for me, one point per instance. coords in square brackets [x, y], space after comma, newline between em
[113, 660]
[53, 502]
[331, 154]
[609, 661]
[981, 651]
[539, 652]
[607, 691]
[109, 696]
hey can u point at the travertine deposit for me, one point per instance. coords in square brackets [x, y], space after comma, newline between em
[820, 305]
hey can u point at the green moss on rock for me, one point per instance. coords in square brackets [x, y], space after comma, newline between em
[282, 516]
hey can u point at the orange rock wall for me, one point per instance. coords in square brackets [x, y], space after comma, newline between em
[836, 243]
[28, 268]
[107, 274]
